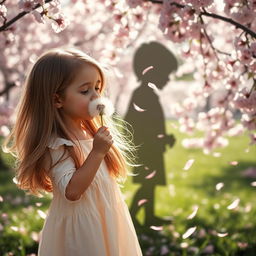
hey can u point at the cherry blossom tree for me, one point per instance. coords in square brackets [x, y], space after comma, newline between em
[214, 39]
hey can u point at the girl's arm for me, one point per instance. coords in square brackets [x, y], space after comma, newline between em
[83, 177]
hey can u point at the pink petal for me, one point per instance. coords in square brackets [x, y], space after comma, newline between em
[153, 86]
[151, 175]
[253, 184]
[234, 163]
[189, 232]
[14, 228]
[222, 234]
[1, 199]
[142, 201]
[39, 204]
[157, 228]
[160, 136]
[193, 214]
[219, 186]
[234, 204]
[41, 214]
[188, 164]
[174, 126]
[138, 108]
[216, 154]
[146, 70]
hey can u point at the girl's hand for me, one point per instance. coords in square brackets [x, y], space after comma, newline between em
[102, 141]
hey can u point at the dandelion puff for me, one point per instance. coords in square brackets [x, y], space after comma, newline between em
[101, 106]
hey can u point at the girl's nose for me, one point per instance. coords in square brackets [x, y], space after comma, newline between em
[95, 95]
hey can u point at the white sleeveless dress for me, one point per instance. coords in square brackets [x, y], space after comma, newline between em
[97, 224]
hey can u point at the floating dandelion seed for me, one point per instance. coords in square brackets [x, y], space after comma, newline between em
[101, 106]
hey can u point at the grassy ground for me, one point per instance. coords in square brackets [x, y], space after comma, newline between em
[21, 216]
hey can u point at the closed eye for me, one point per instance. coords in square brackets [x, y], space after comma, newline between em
[85, 92]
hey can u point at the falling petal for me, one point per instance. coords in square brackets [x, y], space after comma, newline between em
[222, 234]
[193, 214]
[41, 214]
[142, 201]
[184, 245]
[219, 186]
[15, 180]
[14, 228]
[234, 163]
[234, 204]
[164, 250]
[174, 126]
[146, 168]
[247, 150]
[189, 232]
[153, 86]
[146, 70]
[216, 154]
[137, 108]
[1, 199]
[151, 175]
[39, 204]
[160, 136]
[157, 228]
[188, 164]
[253, 184]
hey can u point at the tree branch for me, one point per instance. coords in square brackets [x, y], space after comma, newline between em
[213, 15]
[19, 16]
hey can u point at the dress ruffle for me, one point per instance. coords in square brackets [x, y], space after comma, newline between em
[55, 143]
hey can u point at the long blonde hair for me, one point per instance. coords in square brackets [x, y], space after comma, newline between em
[38, 120]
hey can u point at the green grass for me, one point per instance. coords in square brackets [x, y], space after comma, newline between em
[184, 190]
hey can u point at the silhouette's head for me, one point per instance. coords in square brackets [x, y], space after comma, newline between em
[156, 55]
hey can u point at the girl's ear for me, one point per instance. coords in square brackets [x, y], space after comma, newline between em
[57, 101]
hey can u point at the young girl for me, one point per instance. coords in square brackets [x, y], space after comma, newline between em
[61, 149]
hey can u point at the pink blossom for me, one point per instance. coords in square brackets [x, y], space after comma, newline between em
[38, 16]
[253, 139]
[3, 10]
[244, 15]
[61, 22]
[26, 5]
[134, 3]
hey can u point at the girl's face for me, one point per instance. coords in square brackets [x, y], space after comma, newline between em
[85, 87]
